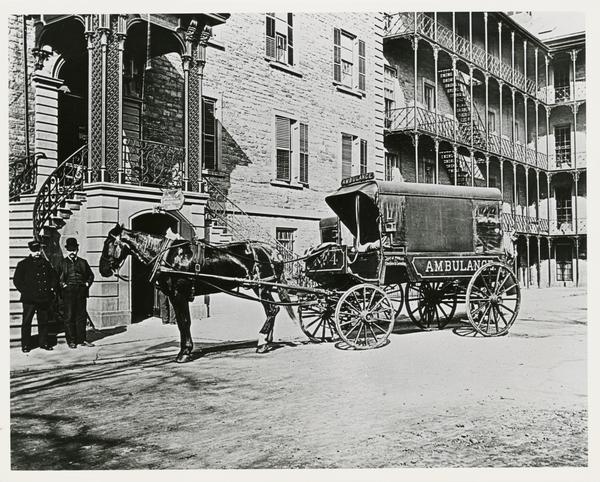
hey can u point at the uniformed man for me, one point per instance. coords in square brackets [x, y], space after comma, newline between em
[36, 280]
[75, 277]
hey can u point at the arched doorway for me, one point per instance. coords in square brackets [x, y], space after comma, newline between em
[144, 302]
[72, 108]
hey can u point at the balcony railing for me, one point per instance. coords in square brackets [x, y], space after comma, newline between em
[148, 163]
[562, 94]
[568, 227]
[403, 119]
[564, 161]
[531, 225]
[524, 224]
[403, 23]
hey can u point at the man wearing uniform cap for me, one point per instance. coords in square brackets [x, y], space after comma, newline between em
[36, 280]
[75, 277]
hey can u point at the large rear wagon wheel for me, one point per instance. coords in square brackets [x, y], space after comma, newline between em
[364, 317]
[316, 319]
[431, 303]
[493, 299]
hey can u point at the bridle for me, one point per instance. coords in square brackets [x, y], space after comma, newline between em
[117, 242]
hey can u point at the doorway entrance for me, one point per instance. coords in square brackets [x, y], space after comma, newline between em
[144, 298]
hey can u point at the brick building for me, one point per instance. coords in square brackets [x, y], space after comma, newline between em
[261, 115]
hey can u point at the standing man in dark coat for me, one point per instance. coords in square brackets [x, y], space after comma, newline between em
[75, 277]
[36, 280]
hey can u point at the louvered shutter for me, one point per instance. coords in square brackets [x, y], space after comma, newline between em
[283, 145]
[290, 39]
[363, 156]
[346, 156]
[361, 65]
[304, 153]
[270, 36]
[337, 54]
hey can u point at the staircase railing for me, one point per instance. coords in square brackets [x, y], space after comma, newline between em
[60, 186]
[22, 175]
[242, 227]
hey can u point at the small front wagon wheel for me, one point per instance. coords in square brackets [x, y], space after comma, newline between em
[316, 319]
[493, 299]
[364, 317]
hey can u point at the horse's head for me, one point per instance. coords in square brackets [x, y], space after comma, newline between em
[114, 252]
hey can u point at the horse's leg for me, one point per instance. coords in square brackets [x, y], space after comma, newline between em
[181, 305]
[265, 335]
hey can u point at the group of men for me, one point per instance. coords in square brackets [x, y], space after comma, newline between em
[53, 293]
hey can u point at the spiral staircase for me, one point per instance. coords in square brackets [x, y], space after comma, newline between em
[54, 211]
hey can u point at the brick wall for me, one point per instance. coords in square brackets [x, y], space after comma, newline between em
[250, 93]
[16, 100]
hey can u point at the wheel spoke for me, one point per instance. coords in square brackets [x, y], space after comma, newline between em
[502, 316]
[510, 287]
[316, 320]
[375, 324]
[487, 308]
[373, 333]
[371, 300]
[358, 334]
[442, 310]
[507, 308]
[499, 287]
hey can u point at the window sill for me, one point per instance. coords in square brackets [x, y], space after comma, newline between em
[284, 67]
[213, 173]
[216, 44]
[349, 90]
[291, 185]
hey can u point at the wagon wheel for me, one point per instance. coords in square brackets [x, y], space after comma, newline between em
[395, 293]
[316, 319]
[364, 317]
[430, 302]
[493, 299]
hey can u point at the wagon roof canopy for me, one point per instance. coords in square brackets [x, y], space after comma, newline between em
[372, 193]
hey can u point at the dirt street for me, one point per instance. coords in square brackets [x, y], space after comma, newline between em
[427, 399]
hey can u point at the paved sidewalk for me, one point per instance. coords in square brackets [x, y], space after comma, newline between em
[235, 324]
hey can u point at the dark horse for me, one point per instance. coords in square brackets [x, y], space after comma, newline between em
[249, 260]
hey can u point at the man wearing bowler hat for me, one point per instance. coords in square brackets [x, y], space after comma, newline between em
[36, 280]
[75, 277]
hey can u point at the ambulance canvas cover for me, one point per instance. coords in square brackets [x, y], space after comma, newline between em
[437, 224]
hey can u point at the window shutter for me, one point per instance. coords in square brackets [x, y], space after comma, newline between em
[346, 156]
[209, 134]
[337, 54]
[363, 156]
[290, 39]
[270, 36]
[283, 144]
[361, 65]
[304, 153]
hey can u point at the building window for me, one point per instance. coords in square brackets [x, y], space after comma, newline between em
[491, 121]
[363, 156]
[349, 63]
[564, 213]
[562, 145]
[283, 148]
[562, 81]
[347, 141]
[389, 93]
[291, 150]
[493, 181]
[285, 237]
[516, 134]
[564, 263]
[428, 173]
[429, 94]
[304, 153]
[392, 167]
[279, 37]
[210, 157]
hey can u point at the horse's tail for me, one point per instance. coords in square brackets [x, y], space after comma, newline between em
[284, 296]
